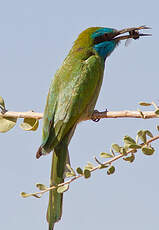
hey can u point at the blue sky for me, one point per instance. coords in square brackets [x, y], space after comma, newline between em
[35, 38]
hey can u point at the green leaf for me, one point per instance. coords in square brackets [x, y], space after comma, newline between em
[30, 124]
[129, 140]
[79, 171]
[89, 166]
[148, 133]
[25, 195]
[144, 103]
[7, 123]
[148, 150]
[135, 146]
[111, 170]
[106, 155]
[130, 159]
[71, 170]
[157, 111]
[116, 148]
[124, 150]
[157, 127]
[63, 188]
[87, 173]
[142, 135]
[41, 187]
[2, 104]
[139, 133]
[69, 174]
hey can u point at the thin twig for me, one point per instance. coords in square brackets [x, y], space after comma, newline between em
[94, 169]
[29, 114]
[96, 114]
[155, 105]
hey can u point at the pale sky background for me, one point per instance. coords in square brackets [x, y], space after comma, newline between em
[35, 37]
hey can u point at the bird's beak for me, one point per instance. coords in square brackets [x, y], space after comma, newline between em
[133, 33]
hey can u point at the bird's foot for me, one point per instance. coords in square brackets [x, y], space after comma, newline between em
[3, 110]
[94, 114]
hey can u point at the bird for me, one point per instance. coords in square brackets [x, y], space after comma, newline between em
[72, 97]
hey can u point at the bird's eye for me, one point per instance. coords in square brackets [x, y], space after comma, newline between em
[102, 38]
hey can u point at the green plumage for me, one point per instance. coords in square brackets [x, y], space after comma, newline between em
[72, 97]
[73, 92]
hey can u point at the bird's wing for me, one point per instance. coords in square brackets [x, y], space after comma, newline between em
[72, 95]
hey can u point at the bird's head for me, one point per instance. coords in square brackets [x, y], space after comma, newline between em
[104, 40]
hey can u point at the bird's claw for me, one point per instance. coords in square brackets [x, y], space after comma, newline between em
[95, 119]
[3, 110]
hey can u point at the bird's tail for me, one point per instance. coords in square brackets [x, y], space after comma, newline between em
[54, 211]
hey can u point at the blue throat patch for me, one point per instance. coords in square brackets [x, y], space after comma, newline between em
[104, 49]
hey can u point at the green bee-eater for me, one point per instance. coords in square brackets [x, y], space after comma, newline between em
[72, 97]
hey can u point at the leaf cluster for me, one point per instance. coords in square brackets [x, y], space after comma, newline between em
[127, 152]
[7, 123]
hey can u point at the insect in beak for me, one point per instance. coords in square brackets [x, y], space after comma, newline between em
[133, 33]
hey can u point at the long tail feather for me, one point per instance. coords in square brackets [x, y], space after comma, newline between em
[54, 211]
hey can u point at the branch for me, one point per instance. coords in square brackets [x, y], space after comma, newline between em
[133, 146]
[29, 114]
[96, 114]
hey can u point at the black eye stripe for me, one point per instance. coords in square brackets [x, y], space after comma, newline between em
[102, 38]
